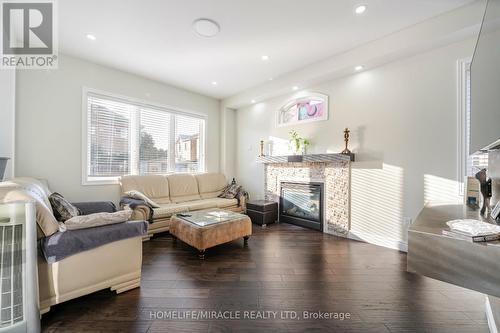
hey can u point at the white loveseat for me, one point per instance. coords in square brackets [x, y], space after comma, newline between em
[179, 193]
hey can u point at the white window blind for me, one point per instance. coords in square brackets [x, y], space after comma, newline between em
[154, 142]
[127, 137]
[109, 137]
[477, 161]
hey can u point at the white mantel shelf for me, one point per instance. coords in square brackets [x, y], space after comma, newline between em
[308, 158]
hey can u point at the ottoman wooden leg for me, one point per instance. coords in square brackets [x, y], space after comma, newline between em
[245, 240]
[174, 239]
[201, 254]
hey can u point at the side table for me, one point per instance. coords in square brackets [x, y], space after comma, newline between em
[262, 212]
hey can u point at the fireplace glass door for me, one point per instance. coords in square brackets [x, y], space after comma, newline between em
[302, 204]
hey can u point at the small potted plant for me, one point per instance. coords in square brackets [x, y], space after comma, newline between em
[298, 143]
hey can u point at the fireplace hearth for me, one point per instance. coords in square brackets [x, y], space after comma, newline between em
[302, 204]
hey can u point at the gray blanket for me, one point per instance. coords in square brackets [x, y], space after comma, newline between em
[132, 203]
[64, 244]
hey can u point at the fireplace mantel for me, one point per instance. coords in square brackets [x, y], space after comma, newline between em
[308, 158]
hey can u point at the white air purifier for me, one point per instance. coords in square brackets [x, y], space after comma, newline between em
[19, 304]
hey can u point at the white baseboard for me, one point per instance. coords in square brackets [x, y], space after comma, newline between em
[378, 240]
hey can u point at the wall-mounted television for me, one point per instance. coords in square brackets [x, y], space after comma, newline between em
[485, 83]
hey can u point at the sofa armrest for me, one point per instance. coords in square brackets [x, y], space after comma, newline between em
[87, 208]
[140, 212]
[242, 199]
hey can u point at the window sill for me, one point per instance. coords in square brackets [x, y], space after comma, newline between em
[101, 181]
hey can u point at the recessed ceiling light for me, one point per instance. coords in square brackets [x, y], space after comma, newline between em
[270, 79]
[206, 27]
[253, 101]
[295, 88]
[90, 36]
[214, 83]
[358, 68]
[360, 9]
[265, 58]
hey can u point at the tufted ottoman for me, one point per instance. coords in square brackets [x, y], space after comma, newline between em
[207, 228]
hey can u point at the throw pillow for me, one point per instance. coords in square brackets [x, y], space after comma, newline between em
[224, 190]
[140, 196]
[63, 209]
[231, 192]
[96, 220]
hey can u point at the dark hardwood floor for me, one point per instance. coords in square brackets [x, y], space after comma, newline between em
[283, 268]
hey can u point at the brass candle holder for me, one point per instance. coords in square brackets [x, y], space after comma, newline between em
[261, 148]
[346, 151]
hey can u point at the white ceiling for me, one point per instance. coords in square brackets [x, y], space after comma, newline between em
[154, 38]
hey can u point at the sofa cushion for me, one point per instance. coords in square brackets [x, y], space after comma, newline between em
[183, 187]
[210, 185]
[222, 202]
[155, 187]
[201, 204]
[167, 210]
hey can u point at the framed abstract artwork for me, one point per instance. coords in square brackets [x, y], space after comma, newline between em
[303, 109]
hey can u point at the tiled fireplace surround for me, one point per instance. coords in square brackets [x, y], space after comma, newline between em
[333, 170]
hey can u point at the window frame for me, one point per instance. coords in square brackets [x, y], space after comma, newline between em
[463, 65]
[113, 180]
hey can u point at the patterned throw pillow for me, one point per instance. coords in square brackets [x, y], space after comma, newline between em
[231, 191]
[223, 191]
[63, 209]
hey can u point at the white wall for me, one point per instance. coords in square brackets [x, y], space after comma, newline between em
[7, 118]
[49, 121]
[485, 80]
[403, 118]
[228, 142]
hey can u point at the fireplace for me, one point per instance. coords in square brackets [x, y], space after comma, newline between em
[302, 204]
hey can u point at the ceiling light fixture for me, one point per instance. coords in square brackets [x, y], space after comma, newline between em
[214, 83]
[206, 27]
[358, 68]
[90, 36]
[265, 58]
[270, 79]
[253, 101]
[360, 9]
[295, 88]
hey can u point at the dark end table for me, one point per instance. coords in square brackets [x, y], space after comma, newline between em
[262, 212]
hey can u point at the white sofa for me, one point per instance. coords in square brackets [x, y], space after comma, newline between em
[178, 193]
[115, 265]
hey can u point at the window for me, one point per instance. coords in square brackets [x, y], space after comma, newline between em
[124, 137]
[469, 164]
[187, 141]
